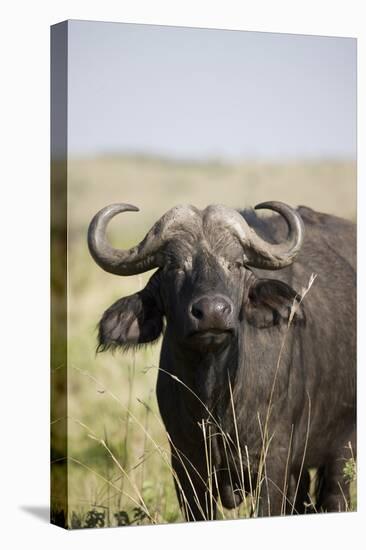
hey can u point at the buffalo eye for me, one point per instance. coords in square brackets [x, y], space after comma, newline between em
[235, 266]
[172, 266]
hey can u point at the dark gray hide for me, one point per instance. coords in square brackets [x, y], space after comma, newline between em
[222, 297]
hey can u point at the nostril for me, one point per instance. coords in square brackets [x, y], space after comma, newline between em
[197, 311]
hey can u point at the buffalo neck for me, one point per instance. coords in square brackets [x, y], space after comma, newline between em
[205, 378]
[218, 385]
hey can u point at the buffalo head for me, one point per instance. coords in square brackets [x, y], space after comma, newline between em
[203, 286]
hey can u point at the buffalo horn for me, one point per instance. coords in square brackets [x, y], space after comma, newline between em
[265, 255]
[149, 253]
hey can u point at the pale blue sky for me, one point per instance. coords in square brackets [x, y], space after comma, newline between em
[202, 93]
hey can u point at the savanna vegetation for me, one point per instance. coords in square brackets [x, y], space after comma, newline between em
[118, 457]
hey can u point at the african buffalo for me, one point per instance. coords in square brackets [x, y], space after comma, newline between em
[257, 377]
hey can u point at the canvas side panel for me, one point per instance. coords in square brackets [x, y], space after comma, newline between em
[59, 51]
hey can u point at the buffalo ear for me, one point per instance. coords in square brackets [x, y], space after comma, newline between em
[130, 321]
[269, 303]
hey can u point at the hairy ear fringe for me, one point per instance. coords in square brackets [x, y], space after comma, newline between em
[126, 346]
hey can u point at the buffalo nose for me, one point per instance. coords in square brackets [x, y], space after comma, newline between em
[211, 309]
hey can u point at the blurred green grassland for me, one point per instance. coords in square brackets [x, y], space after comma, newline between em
[107, 393]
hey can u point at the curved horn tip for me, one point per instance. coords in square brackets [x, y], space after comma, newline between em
[125, 206]
[133, 207]
[271, 205]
